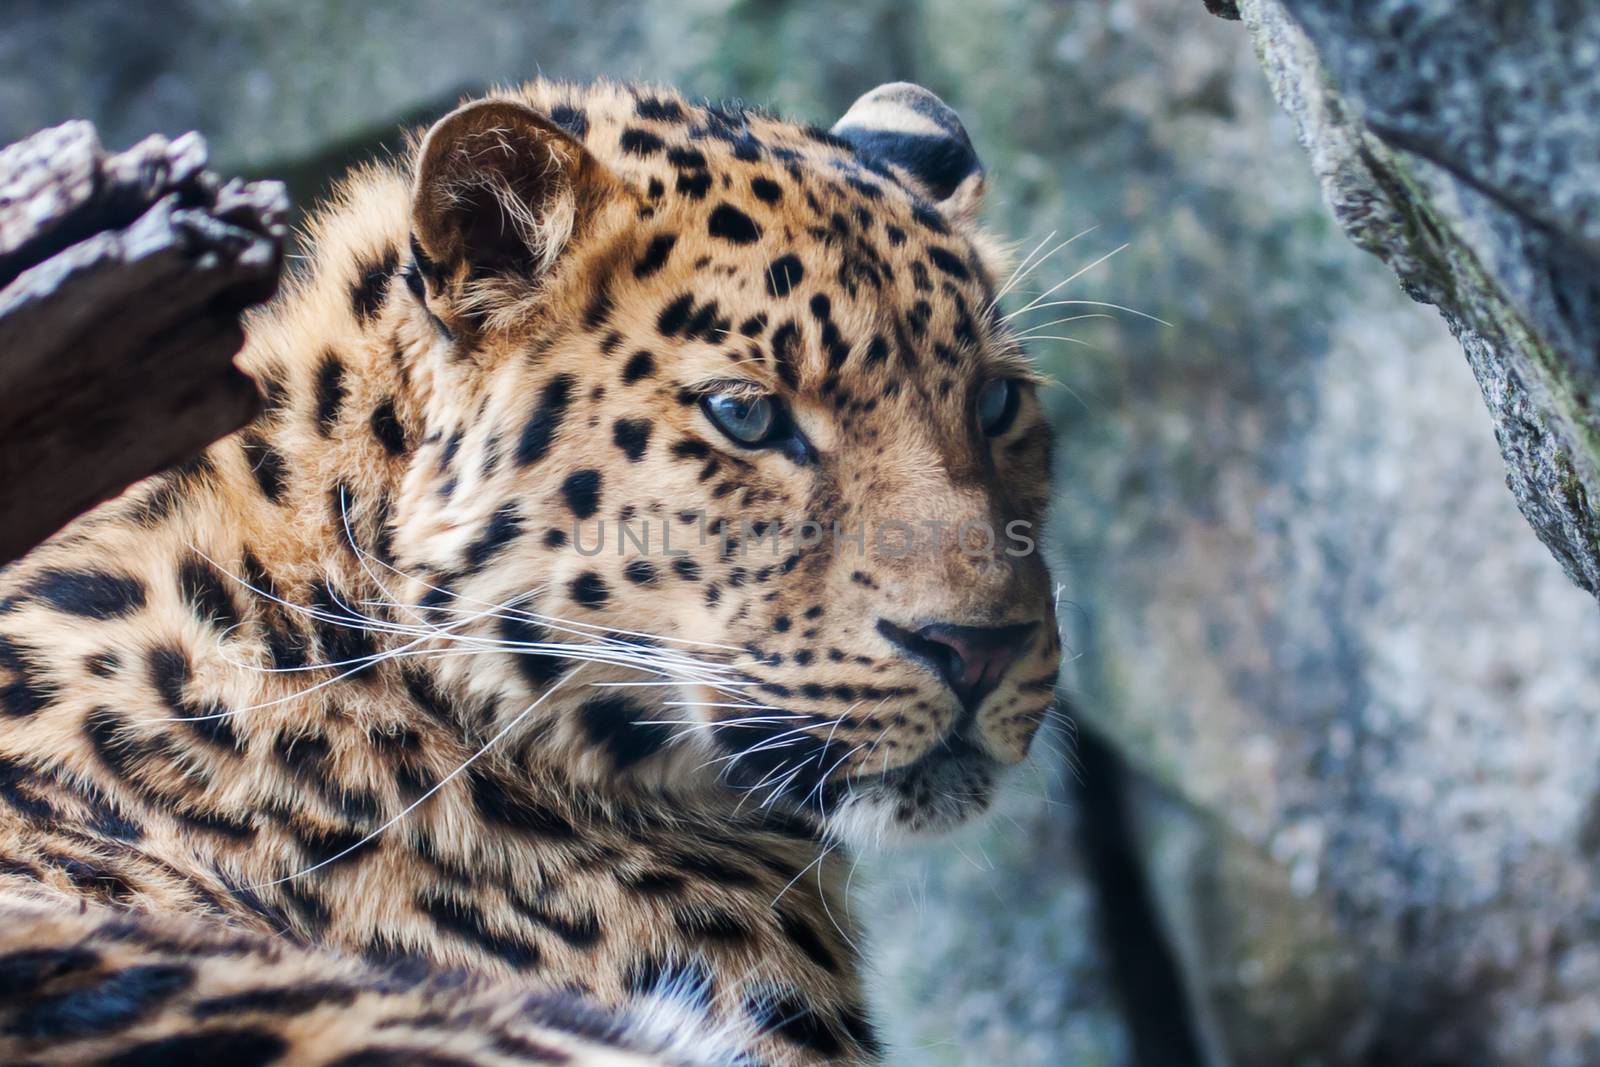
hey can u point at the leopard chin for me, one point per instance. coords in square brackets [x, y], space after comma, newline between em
[946, 789]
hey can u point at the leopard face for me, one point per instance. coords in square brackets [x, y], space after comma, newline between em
[720, 416]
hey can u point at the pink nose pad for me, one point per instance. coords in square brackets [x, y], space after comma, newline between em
[972, 660]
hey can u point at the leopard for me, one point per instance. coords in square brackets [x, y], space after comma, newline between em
[640, 523]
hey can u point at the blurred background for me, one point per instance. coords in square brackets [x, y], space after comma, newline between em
[1332, 797]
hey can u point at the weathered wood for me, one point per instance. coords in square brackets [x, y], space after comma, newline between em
[122, 280]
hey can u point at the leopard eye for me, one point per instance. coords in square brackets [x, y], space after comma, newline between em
[414, 282]
[997, 406]
[747, 419]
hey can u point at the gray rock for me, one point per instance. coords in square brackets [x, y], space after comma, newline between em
[1359, 698]
[1459, 142]
[984, 948]
[1364, 707]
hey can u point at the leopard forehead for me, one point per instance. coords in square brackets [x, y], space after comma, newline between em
[768, 249]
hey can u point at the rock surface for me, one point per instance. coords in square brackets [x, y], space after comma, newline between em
[1457, 140]
[1355, 698]
[1379, 710]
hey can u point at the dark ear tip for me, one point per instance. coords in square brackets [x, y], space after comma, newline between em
[906, 125]
[911, 98]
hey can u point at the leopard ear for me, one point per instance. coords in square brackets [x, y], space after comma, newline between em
[500, 189]
[908, 127]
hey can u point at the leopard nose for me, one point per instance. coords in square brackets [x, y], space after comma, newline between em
[971, 659]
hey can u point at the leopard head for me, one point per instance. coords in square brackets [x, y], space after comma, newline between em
[728, 443]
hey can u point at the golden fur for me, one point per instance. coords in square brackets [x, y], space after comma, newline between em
[301, 693]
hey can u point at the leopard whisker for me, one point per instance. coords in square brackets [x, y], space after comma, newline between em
[653, 683]
[1031, 331]
[574, 625]
[749, 791]
[360, 664]
[734, 757]
[1037, 302]
[777, 790]
[730, 723]
[828, 850]
[1102, 304]
[682, 668]
[1069, 340]
[772, 774]
[409, 808]
[822, 779]
[723, 704]
[373, 626]
[1011, 278]
[611, 653]
[1010, 283]
[562, 625]
[822, 896]
[783, 740]
[361, 558]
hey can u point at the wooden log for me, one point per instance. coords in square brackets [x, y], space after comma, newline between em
[122, 282]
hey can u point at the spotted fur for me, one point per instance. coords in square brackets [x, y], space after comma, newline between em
[298, 737]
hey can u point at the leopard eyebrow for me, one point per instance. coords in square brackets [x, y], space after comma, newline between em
[722, 384]
[1008, 359]
[1019, 370]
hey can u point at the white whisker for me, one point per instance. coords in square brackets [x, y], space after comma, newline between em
[446, 780]
[1031, 330]
[1069, 340]
[1017, 278]
[1038, 301]
[1097, 303]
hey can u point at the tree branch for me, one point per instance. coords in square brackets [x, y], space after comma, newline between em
[122, 281]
